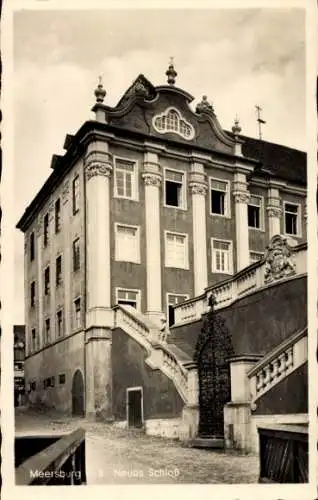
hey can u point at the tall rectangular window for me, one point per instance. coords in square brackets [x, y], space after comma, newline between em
[127, 243]
[58, 215]
[46, 230]
[59, 323]
[32, 294]
[33, 340]
[58, 270]
[255, 212]
[76, 194]
[76, 254]
[174, 187]
[77, 314]
[292, 219]
[176, 250]
[125, 182]
[222, 260]
[47, 280]
[47, 331]
[219, 197]
[32, 247]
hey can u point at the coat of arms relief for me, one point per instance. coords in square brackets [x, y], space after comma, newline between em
[279, 259]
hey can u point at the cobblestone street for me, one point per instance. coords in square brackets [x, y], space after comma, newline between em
[118, 456]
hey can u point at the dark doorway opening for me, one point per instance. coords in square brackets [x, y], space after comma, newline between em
[135, 407]
[171, 315]
[78, 395]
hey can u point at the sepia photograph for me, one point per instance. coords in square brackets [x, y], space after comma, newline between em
[160, 246]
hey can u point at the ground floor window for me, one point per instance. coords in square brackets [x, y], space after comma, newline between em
[128, 297]
[174, 299]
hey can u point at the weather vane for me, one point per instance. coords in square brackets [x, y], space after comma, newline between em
[260, 121]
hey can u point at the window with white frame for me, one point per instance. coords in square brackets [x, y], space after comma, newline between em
[174, 188]
[47, 281]
[32, 247]
[34, 340]
[255, 256]
[128, 297]
[77, 317]
[76, 194]
[292, 219]
[32, 294]
[125, 181]
[219, 197]
[59, 323]
[58, 271]
[173, 300]
[127, 243]
[47, 331]
[222, 258]
[176, 250]
[255, 212]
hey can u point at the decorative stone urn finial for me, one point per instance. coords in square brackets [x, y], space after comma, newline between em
[236, 129]
[171, 73]
[100, 92]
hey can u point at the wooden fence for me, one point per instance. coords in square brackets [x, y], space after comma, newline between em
[50, 460]
[283, 454]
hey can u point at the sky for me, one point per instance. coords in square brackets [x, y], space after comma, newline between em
[238, 58]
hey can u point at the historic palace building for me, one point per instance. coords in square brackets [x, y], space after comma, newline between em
[151, 203]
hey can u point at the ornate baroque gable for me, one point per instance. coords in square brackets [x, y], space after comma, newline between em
[165, 112]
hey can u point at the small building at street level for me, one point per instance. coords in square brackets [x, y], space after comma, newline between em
[155, 227]
[18, 359]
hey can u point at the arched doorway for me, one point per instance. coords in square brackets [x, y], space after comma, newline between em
[78, 394]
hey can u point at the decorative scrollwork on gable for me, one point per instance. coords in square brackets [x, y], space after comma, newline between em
[171, 121]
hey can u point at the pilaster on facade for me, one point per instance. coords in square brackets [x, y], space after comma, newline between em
[241, 198]
[199, 188]
[274, 211]
[152, 177]
[98, 169]
[67, 213]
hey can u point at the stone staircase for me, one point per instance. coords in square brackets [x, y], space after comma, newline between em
[163, 356]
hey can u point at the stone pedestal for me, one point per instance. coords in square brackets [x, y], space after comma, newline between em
[190, 421]
[237, 426]
[237, 413]
[98, 345]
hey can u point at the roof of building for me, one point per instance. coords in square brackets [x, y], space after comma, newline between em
[131, 118]
[277, 160]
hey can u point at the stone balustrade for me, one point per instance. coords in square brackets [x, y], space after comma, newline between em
[277, 364]
[254, 277]
[159, 355]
